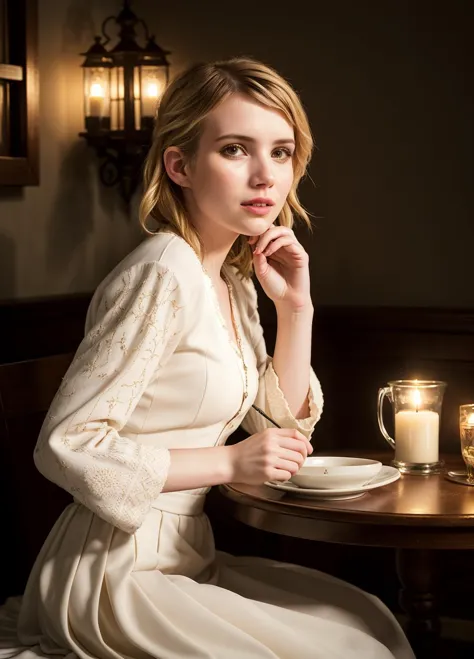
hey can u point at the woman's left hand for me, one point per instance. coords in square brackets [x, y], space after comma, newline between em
[282, 268]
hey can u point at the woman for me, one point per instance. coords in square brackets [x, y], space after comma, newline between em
[172, 360]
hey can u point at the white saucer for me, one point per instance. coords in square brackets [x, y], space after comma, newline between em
[386, 476]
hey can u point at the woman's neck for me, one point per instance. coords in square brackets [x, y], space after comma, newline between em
[216, 246]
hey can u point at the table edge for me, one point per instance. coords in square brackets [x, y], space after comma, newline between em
[348, 516]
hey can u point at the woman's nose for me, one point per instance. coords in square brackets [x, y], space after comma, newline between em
[262, 176]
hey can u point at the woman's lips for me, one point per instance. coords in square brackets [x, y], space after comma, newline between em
[257, 209]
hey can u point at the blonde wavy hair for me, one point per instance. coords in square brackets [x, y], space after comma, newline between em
[183, 107]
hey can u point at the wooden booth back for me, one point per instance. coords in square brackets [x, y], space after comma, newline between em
[31, 504]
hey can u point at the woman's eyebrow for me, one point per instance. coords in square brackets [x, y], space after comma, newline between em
[247, 138]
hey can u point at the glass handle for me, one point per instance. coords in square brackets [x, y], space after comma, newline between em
[384, 391]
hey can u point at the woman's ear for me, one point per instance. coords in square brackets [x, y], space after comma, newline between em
[173, 160]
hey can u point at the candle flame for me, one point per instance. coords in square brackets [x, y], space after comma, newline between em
[416, 398]
[152, 90]
[470, 419]
[96, 91]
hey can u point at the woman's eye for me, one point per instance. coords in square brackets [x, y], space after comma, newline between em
[282, 154]
[233, 150]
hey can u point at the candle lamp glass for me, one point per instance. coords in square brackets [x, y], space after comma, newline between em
[466, 431]
[97, 98]
[154, 77]
[153, 83]
[416, 408]
[97, 66]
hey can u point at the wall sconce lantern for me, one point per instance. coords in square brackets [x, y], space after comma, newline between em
[121, 89]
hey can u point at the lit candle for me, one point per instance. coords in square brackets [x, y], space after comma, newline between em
[417, 434]
[96, 100]
[150, 99]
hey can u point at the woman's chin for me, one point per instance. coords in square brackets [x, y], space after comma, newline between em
[255, 226]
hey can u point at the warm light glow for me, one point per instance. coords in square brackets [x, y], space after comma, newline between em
[470, 419]
[416, 398]
[152, 90]
[96, 91]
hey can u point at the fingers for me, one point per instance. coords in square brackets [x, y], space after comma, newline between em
[290, 435]
[287, 465]
[274, 454]
[280, 475]
[287, 432]
[272, 234]
[296, 445]
[286, 444]
[284, 241]
[292, 456]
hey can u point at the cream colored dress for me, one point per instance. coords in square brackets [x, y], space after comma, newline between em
[129, 571]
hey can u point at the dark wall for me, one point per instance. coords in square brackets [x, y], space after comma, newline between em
[388, 88]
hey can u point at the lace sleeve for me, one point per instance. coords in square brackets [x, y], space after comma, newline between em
[80, 448]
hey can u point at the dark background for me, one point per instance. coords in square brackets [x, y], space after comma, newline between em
[388, 89]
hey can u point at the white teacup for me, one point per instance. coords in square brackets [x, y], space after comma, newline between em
[336, 472]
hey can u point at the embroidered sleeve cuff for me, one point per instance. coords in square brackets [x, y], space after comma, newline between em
[145, 488]
[278, 405]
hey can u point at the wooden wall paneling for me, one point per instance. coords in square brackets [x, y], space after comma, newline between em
[30, 502]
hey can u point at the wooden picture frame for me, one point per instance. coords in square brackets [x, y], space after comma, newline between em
[19, 166]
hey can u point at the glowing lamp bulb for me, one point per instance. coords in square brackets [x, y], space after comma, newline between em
[96, 91]
[152, 90]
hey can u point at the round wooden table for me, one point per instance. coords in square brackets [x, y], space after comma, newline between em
[415, 515]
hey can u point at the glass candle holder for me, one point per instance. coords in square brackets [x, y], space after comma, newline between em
[466, 431]
[417, 410]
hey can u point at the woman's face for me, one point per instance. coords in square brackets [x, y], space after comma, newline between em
[243, 169]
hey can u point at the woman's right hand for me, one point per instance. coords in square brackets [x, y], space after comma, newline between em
[272, 455]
